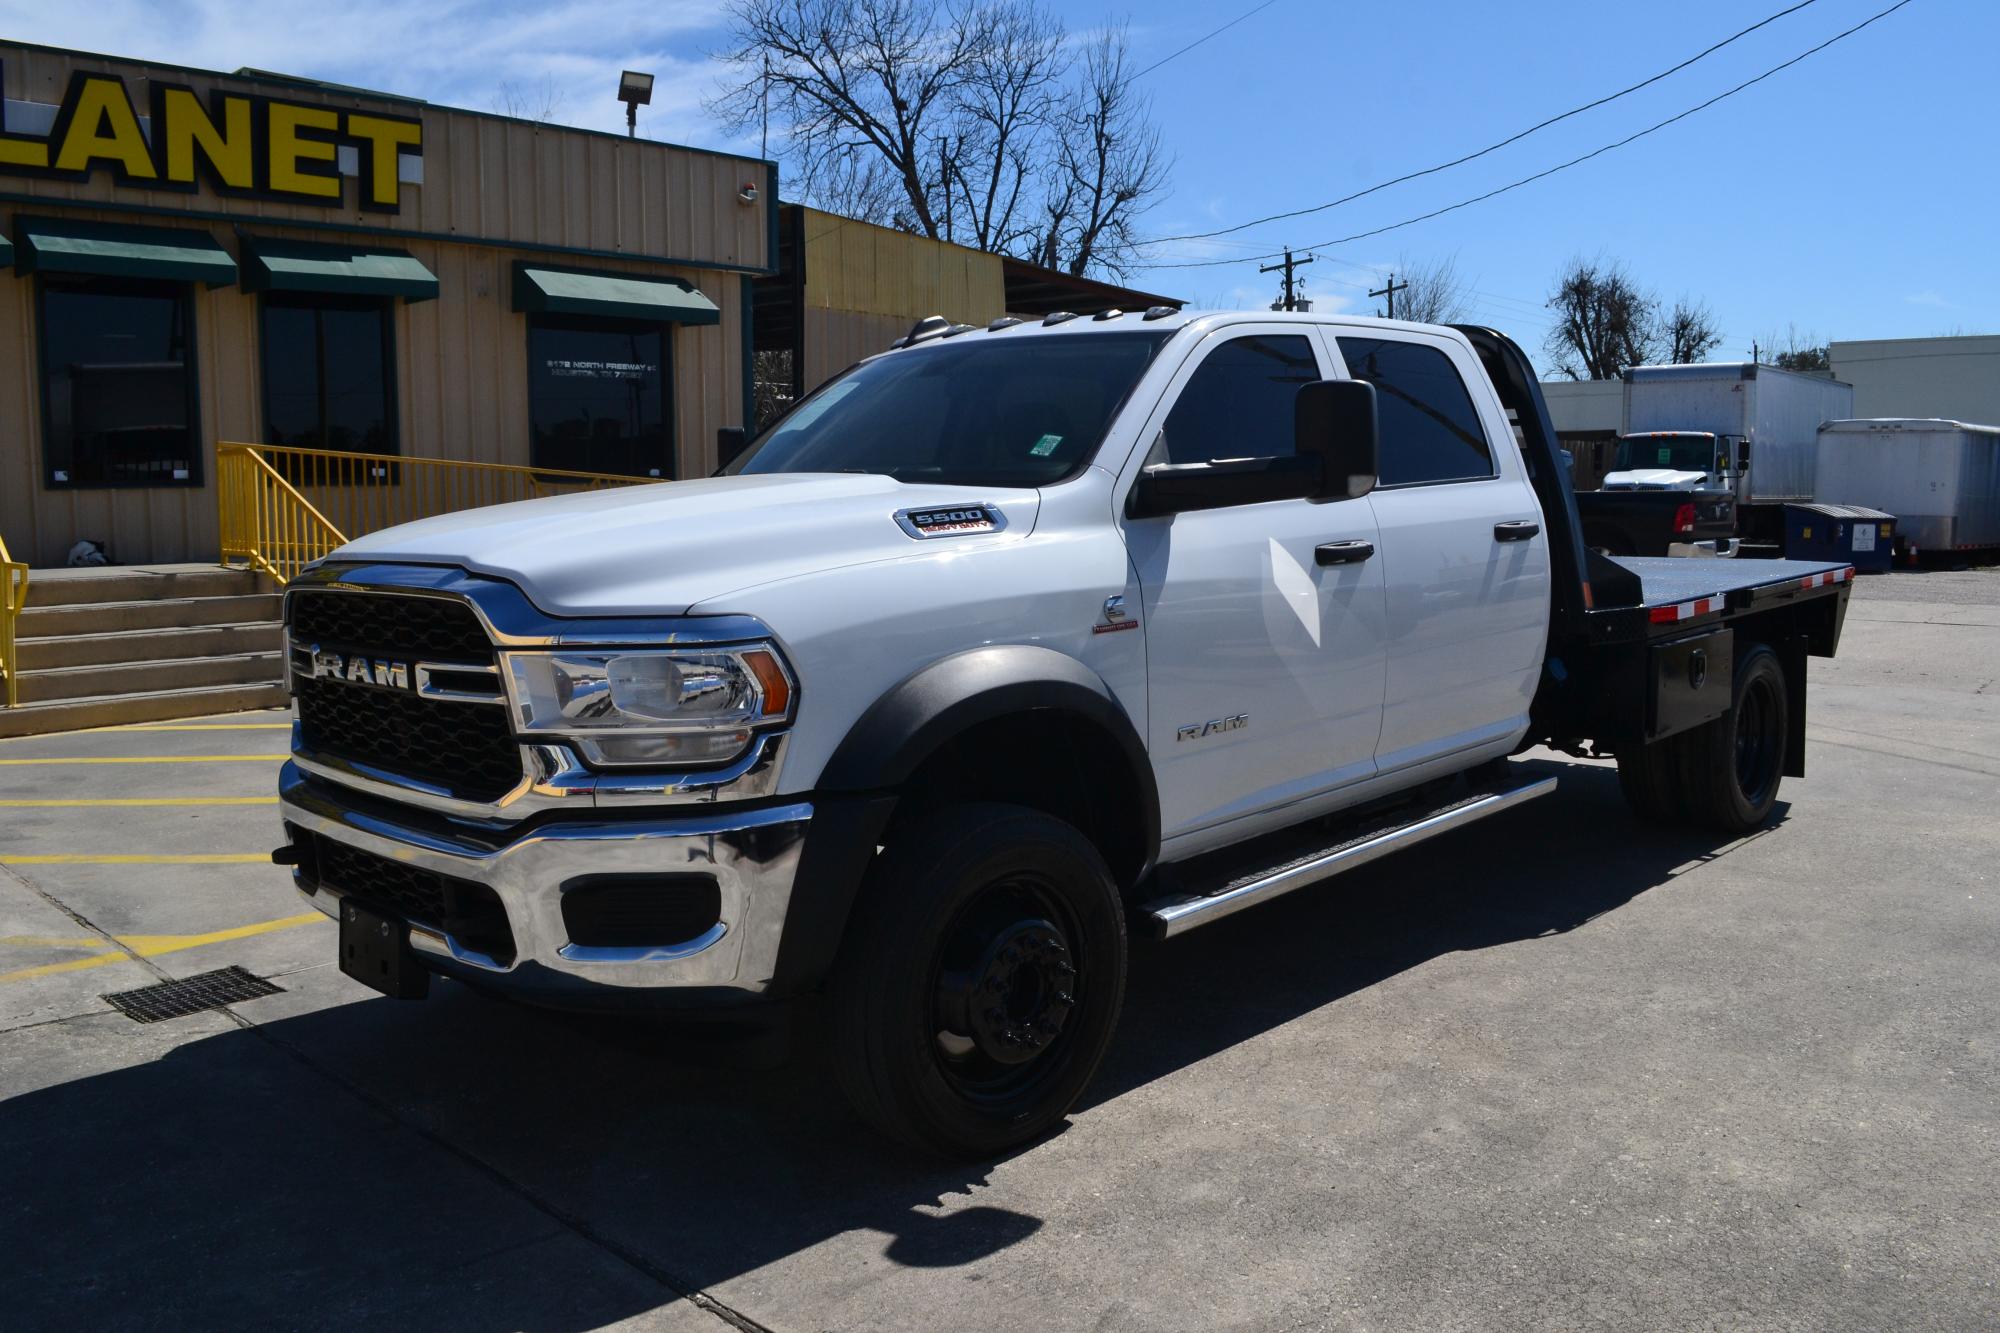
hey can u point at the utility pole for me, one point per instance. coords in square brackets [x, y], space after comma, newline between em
[1290, 301]
[1390, 291]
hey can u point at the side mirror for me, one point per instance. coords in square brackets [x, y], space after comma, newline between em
[1178, 488]
[1743, 455]
[1336, 423]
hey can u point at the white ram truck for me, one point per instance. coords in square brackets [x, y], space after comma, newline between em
[1002, 646]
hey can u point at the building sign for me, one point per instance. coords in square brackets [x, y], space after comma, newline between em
[235, 143]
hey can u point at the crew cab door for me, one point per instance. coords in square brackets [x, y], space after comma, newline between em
[1462, 550]
[1264, 656]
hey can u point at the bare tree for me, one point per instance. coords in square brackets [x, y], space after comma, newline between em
[527, 100]
[978, 117]
[1435, 293]
[1604, 323]
[1688, 332]
[1108, 167]
[1793, 350]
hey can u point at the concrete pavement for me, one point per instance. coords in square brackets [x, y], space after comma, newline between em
[1558, 1070]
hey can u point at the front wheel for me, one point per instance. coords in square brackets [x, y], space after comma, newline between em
[980, 980]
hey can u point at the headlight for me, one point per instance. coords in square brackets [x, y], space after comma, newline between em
[658, 708]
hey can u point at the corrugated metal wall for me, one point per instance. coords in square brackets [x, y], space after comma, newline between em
[484, 176]
[866, 285]
[462, 381]
[462, 367]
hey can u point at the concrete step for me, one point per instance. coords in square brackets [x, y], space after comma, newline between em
[150, 645]
[51, 622]
[152, 706]
[82, 682]
[114, 583]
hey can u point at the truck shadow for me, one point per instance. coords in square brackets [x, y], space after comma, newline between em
[470, 1164]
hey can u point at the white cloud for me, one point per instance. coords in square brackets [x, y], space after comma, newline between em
[459, 53]
[1929, 298]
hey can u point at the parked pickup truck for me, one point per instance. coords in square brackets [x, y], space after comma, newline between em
[1001, 647]
[1658, 520]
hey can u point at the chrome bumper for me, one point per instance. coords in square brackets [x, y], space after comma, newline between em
[753, 855]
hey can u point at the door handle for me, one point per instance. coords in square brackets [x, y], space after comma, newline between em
[1515, 530]
[1343, 553]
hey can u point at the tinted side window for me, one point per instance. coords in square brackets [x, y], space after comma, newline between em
[1239, 401]
[1430, 431]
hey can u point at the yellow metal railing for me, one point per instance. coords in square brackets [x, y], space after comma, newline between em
[283, 508]
[13, 597]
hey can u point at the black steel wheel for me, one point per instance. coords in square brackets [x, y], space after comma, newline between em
[979, 981]
[1730, 768]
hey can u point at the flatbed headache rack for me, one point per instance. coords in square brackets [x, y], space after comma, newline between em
[1621, 628]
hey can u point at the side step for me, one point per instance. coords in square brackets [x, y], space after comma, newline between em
[1214, 886]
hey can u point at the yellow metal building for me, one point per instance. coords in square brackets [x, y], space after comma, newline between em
[198, 257]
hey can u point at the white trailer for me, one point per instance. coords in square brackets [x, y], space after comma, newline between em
[1765, 420]
[1941, 479]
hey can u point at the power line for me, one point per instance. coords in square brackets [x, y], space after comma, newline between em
[1217, 33]
[1492, 148]
[1564, 166]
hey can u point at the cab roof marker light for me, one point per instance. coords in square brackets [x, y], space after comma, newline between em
[1160, 311]
[957, 329]
[930, 326]
[1004, 322]
[1113, 313]
[1058, 317]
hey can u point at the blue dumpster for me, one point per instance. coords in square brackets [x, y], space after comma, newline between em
[1865, 538]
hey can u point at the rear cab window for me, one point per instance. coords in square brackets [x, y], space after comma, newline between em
[1431, 432]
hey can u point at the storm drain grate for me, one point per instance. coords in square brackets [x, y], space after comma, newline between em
[190, 995]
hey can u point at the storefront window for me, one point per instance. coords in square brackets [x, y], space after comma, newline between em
[118, 387]
[327, 374]
[599, 396]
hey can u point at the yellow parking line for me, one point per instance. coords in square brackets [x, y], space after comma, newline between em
[142, 800]
[146, 946]
[157, 759]
[101, 859]
[202, 726]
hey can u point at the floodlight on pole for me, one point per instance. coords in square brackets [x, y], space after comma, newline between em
[634, 90]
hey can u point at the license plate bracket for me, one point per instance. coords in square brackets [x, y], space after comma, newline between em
[375, 951]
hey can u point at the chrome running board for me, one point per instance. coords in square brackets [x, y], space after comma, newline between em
[1181, 912]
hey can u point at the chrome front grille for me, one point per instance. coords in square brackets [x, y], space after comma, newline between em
[466, 750]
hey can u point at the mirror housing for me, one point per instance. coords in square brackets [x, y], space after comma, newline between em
[1178, 488]
[1335, 422]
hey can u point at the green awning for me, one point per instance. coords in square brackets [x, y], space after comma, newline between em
[274, 265]
[542, 290]
[120, 250]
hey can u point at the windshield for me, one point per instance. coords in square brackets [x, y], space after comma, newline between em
[977, 411]
[1676, 453]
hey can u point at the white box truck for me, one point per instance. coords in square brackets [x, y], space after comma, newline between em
[1746, 429]
[1941, 479]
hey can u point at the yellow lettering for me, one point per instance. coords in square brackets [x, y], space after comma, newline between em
[385, 140]
[290, 152]
[102, 126]
[24, 152]
[184, 126]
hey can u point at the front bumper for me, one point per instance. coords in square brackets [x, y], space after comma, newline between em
[752, 854]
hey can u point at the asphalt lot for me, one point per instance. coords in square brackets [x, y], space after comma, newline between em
[1558, 1070]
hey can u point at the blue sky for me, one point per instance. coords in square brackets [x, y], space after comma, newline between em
[1855, 195]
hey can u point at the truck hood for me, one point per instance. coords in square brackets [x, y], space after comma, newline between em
[1656, 479]
[659, 549]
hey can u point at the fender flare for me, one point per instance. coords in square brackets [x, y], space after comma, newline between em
[855, 796]
[950, 696]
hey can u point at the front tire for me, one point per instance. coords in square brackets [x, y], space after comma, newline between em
[980, 980]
